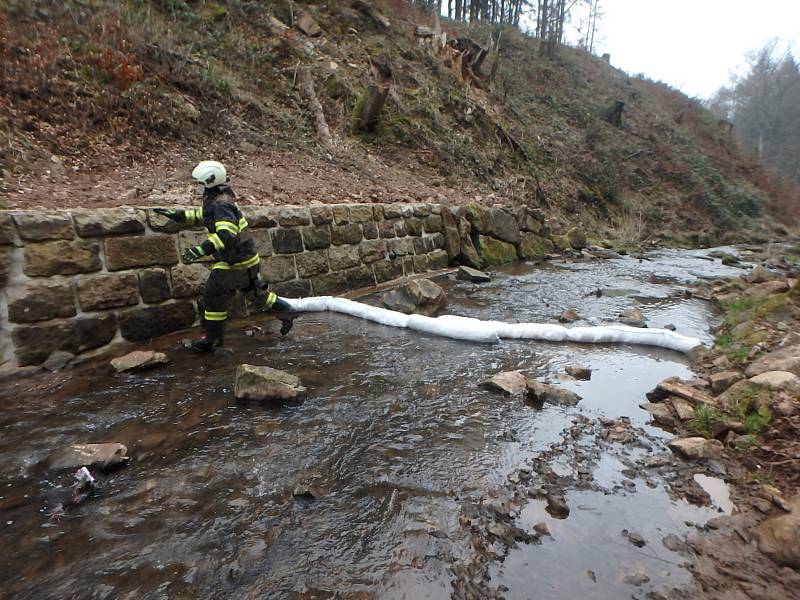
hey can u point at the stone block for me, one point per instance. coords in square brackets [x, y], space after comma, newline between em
[402, 246]
[527, 221]
[370, 229]
[162, 224]
[8, 235]
[6, 263]
[259, 217]
[480, 218]
[360, 213]
[423, 245]
[392, 211]
[154, 285]
[377, 212]
[313, 262]
[420, 262]
[437, 239]
[61, 258]
[386, 270]
[140, 251]
[496, 252]
[360, 277]
[263, 241]
[298, 288]
[452, 239]
[141, 324]
[34, 343]
[406, 210]
[291, 216]
[532, 245]
[400, 228]
[287, 241]
[414, 226]
[438, 260]
[278, 268]
[40, 302]
[436, 209]
[421, 210]
[34, 226]
[504, 226]
[188, 280]
[329, 283]
[386, 228]
[347, 234]
[344, 257]
[317, 237]
[433, 224]
[321, 215]
[408, 265]
[341, 214]
[373, 250]
[107, 221]
[108, 291]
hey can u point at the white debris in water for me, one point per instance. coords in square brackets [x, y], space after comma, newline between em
[476, 330]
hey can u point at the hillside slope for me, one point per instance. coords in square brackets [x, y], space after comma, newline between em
[106, 103]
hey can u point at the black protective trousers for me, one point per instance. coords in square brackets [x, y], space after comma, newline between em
[223, 283]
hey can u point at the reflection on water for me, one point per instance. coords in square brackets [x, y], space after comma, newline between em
[359, 487]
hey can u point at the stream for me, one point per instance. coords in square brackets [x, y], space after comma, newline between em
[357, 490]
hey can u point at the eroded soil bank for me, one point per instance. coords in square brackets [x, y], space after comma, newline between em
[398, 476]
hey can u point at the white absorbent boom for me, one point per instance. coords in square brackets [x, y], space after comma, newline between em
[476, 330]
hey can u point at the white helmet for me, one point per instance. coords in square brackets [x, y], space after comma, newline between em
[209, 173]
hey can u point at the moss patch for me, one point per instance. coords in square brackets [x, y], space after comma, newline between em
[495, 252]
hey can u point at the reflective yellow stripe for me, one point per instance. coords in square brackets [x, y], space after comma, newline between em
[221, 265]
[242, 223]
[250, 262]
[226, 226]
[193, 215]
[271, 299]
[216, 316]
[214, 238]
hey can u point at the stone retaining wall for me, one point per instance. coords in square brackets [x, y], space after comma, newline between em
[75, 281]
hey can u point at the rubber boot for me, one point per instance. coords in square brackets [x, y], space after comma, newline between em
[213, 338]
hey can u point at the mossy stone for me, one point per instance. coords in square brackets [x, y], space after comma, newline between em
[496, 252]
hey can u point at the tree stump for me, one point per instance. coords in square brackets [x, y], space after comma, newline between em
[366, 112]
[615, 113]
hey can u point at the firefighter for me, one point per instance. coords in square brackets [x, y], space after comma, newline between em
[236, 261]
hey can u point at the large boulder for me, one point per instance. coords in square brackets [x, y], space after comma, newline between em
[420, 296]
[496, 252]
[468, 254]
[783, 359]
[138, 359]
[779, 537]
[265, 383]
[778, 381]
[696, 447]
[99, 456]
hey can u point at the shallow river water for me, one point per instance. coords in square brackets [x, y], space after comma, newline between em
[356, 491]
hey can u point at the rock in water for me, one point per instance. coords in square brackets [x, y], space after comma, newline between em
[420, 296]
[632, 317]
[473, 275]
[139, 359]
[265, 383]
[584, 373]
[510, 383]
[779, 537]
[569, 315]
[696, 447]
[545, 392]
[99, 456]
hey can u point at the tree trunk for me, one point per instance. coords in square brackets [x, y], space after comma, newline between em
[615, 113]
[307, 87]
[366, 113]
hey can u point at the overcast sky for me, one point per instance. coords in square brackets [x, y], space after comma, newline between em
[693, 45]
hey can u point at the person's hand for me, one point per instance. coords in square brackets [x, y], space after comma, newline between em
[170, 213]
[192, 254]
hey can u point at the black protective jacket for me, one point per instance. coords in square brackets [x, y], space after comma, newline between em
[229, 239]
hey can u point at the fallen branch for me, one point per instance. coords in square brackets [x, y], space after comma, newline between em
[372, 13]
[321, 125]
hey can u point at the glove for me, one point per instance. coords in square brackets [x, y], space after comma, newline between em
[170, 213]
[192, 254]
